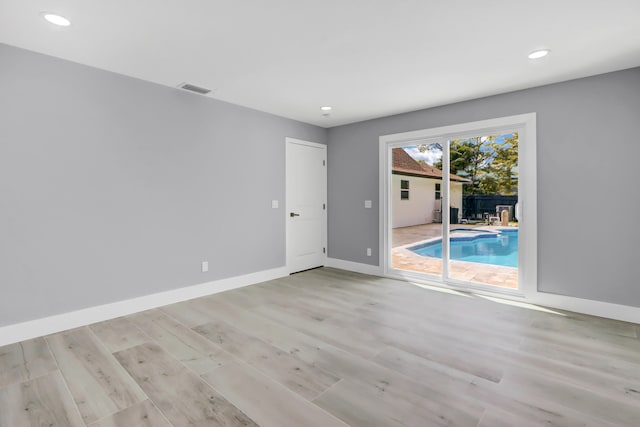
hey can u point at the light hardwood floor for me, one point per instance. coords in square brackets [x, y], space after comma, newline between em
[329, 348]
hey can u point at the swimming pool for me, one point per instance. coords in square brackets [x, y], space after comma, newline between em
[481, 246]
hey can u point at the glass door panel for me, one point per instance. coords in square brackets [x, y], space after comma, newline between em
[483, 195]
[416, 207]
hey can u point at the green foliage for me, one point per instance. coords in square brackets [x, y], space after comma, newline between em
[505, 165]
[435, 146]
[489, 165]
[469, 159]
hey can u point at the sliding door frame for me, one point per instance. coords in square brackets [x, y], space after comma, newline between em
[525, 125]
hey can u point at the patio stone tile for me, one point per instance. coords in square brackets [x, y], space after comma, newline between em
[404, 259]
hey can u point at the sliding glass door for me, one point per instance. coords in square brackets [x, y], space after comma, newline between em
[454, 209]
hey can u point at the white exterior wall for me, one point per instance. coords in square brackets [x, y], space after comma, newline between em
[456, 197]
[422, 200]
[419, 208]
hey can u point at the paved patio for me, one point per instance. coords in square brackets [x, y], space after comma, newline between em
[404, 259]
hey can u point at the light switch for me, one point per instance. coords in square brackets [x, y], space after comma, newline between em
[274, 204]
[367, 204]
[205, 266]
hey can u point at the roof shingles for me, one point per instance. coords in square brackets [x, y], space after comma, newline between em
[404, 164]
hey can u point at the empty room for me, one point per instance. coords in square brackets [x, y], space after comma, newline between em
[338, 213]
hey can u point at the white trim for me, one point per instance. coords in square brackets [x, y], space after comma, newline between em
[462, 130]
[384, 164]
[609, 310]
[528, 207]
[445, 213]
[289, 140]
[61, 322]
[307, 143]
[525, 124]
[357, 267]
[624, 313]
[528, 292]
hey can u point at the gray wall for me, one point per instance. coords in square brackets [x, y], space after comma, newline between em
[588, 181]
[112, 187]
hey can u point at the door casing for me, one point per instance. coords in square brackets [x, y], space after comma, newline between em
[525, 125]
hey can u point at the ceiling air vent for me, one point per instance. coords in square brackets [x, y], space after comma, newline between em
[194, 88]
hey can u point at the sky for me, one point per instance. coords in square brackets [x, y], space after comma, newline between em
[430, 157]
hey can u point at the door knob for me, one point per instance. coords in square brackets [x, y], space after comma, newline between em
[291, 214]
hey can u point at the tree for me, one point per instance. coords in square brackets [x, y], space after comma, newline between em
[504, 165]
[435, 146]
[468, 158]
[491, 166]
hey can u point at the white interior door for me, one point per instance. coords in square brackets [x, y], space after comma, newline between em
[306, 176]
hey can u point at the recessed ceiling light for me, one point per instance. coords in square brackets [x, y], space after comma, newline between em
[56, 19]
[540, 53]
[326, 108]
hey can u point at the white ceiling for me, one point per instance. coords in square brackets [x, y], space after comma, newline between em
[364, 58]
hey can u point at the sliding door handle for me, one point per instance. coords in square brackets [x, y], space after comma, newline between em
[292, 214]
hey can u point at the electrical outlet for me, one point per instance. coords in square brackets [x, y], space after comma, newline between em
[205, 266]
[368, 251]
[367, 204]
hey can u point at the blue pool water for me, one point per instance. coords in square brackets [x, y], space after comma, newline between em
[481, 246]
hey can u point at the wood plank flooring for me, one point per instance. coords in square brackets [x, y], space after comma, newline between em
[329, 348]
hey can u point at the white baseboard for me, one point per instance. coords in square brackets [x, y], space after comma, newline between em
[61, 322]
[626, 313]
[48, 325]
[353, 266]
[578, 305]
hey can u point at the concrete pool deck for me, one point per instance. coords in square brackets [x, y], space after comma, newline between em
[404, 259]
